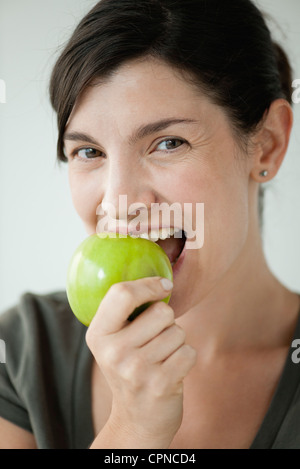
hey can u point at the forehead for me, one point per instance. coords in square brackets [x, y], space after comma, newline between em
[145, 86]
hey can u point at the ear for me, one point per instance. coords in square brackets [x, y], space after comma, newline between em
[272, 140]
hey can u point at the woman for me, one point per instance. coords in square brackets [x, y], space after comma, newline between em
[166, 102]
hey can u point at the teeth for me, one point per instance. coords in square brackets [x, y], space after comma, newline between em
[177, 233]
[164, 233]
[143, 235]
[155, 235]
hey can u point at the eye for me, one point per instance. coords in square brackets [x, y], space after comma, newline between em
[170, 144]
[87, 153]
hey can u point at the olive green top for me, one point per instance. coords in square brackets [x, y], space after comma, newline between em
[45, 382]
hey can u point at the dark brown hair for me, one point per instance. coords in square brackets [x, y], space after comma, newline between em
[224, 45]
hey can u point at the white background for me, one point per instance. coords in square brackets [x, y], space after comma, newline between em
[39, 228]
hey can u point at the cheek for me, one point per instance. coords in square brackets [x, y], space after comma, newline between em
[85, 199]
[226, 227]
[226, 216]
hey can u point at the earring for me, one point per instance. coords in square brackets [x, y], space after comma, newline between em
[264, 173]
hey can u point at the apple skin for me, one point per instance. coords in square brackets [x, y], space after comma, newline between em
[102, 260]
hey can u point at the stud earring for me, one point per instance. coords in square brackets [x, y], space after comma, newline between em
[264, 173]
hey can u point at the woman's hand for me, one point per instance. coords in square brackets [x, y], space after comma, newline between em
[144, 363]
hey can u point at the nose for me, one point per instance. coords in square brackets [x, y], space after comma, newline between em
[127, 192]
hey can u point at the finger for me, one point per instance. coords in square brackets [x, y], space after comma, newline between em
[180, 362]
[164, 345]
[122, 299]
[147, 326]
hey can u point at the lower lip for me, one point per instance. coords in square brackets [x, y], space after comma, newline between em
[178, 264]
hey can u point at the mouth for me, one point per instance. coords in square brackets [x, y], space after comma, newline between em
[171, 240]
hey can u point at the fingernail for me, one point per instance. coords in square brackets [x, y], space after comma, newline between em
[166, 283]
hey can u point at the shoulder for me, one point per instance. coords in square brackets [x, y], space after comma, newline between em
[40, 322]
[50, 310]
[45, 356]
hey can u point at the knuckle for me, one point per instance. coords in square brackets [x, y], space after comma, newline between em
[181, 336]
[132, 371]
[190, 353]
[180, 333]
[122, 292]
[112, 355]
[164, 311]
[108, 353]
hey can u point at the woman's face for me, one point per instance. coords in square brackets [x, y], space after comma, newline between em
[190, 158]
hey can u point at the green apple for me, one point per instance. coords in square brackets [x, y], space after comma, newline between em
[102, 260]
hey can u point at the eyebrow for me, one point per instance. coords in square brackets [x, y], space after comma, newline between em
[138, 134]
